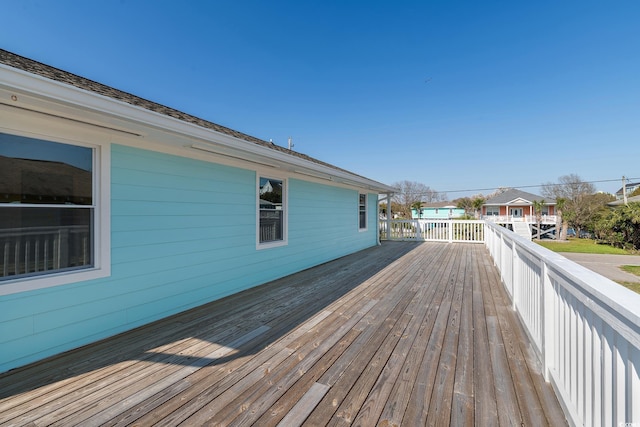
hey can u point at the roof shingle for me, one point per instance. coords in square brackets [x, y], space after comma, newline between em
[52, 73]
[513, 194]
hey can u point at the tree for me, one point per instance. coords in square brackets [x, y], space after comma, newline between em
[573, 190]
[470, 205]
[621, 227]
[410, 192]
[498, 191]
[465, 203]
[561, 225]
[537, 209]
[594, 208]
[477, 203]
[417, 206]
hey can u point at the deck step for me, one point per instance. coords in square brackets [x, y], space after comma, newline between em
[522, 229]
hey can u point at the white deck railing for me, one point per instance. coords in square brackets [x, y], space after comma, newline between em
[584, 328]
[32, 250]
[544, 219]
[436, 230]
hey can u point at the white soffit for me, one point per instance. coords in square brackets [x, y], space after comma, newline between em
[40, 94]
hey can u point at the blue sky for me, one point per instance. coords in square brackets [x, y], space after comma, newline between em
[458, 95]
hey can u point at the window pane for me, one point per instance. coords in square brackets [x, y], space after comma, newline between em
[43, 172]
[270, 226]
[362, 211]
[271, 210]
[43, 240]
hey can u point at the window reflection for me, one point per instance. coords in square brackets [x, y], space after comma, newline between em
[46, 207]
[43, 172]
[271, 219]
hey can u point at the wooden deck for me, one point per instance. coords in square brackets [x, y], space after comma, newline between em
[402, 334]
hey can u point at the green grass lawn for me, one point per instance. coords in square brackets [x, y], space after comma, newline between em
[635, 287]
[588, 246]
[633, 269]
[583, 246]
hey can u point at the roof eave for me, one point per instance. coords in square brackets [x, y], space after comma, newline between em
[143, 122]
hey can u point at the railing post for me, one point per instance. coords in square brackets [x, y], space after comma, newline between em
[388, 216]
[501, 261]
[16, 267]
[515, 273]
[450, 231]
[5, 259]
[549, 325]
[586, 337]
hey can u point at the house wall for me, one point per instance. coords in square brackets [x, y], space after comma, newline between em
[504, 210]
[183, 233]
[439, 213]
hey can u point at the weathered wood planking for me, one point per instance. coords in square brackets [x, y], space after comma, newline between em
[402, 334]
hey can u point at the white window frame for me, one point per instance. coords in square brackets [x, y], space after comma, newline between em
[285, 216]
[366, 212]
[493, 209]
[101, 221]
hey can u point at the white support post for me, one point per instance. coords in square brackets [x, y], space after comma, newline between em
[515, 276]
[549, 325]
[388, 216]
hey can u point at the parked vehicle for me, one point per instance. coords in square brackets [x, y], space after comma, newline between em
[583, 234]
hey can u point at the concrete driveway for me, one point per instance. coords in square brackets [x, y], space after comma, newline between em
[607, 265]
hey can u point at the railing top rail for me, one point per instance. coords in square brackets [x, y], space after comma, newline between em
[602, 291]
[447, 220]
[30, 231]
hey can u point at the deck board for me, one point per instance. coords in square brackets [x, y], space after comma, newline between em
[401, 334]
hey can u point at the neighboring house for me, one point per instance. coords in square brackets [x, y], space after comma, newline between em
[437, 210]
[514, 207]
[634, 199]
[116, 211]
[628, 189]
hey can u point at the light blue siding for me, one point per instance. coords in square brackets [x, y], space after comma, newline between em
[437, 213]
[182, 234]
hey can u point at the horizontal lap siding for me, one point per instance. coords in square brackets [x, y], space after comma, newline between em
[323, 225]
[325, 219]
[183, 234]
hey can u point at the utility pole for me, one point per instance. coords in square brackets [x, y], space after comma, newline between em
[624, 189]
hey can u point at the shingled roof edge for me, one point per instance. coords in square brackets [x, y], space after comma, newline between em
[64, 77]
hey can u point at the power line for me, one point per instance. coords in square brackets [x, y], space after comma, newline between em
[530, 186]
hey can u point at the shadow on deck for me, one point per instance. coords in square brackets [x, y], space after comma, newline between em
[401, 334]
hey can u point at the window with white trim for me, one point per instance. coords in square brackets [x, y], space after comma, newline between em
[493, 210]
[272, 211]
[362, 211]
[48, 210]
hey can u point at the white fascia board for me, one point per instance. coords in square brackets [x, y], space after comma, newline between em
[41, 87]
[519, 201]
